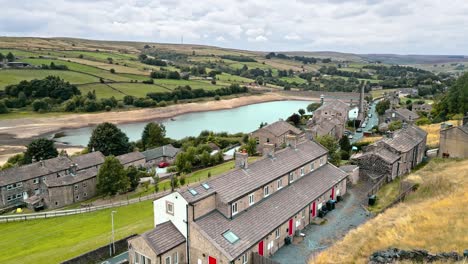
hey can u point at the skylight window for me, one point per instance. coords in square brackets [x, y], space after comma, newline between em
[230, 236]
[193, 192]
[205, 185]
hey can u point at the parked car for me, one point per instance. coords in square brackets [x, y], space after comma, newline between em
[163, 164]
[350, 136]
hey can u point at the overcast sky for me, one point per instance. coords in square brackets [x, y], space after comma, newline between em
[358, 26]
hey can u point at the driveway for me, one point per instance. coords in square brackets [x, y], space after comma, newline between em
[347, 215]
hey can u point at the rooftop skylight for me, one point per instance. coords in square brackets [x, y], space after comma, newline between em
[193, 192]
[230, 236]
[205, 185]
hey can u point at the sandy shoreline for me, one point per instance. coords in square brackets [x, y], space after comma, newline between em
[25, 128]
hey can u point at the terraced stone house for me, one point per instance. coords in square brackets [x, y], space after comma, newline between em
[255, 208]
[275, 133]
[329, 119]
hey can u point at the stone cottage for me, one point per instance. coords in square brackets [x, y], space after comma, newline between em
[275, 133]
[454, 141]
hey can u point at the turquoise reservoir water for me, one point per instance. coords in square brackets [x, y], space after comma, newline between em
[241, 119]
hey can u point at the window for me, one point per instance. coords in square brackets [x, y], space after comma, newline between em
[77, 197]
[168, 260]
[36, 181]
[312, 166]
[234, 208]
[137, 258]
[175, 258]
[193, 192]
[321, 161]
[291, 176]
[43, 179]
[9, 198]
[85, 195]
[85, 184]
[19, 184]
[251, 199]
[76, 187]
[280, 183]
[19, 195]
[268, 140]
[230, 236]
[245, 259]
[303, 213]
[56, 203]
[9, 187]
[266, 191]
[277, 233]
[205, 185]
[302, 171]
[37, 191]
[169, 208]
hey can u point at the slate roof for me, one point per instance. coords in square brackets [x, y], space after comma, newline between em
[405, 113]
[280, 127]
[336, 105]
[72, 179]
[324, 126]
[257, 222]
[34, 170]
[405, 139]
[163, 238]
[130, 157]
[381, 152]
[88, 160]
[239, 182]
[348, 168]
[163, 151]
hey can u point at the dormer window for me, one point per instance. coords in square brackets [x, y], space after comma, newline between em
[291, 176]
[251, 199]
[234, 209]
[279, 183]
[266, 191]
[312, 166]
[302, 171]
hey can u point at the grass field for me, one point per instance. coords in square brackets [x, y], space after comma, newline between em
[138, 89]
[102, 90]
[10, 76]
[106, 66]
[433, 132]
[57, 239]
[293, 79]
[194, 84]
[432, 218]
[226, 77]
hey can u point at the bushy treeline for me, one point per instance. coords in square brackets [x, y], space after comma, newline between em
[332, 70]
[454, 102]
[53, 66]
[303, 59]
[240, 58]
[186, 92]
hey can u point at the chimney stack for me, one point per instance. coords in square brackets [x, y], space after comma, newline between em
[291, 140]
[242, 159]
[269, 150]
[309, 134]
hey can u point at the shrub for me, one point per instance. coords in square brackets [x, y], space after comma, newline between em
[108, 108]
[217, 98]
[40, 106]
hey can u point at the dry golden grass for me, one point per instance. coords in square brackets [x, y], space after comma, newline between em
[433, 132]
[433, 218]
[369, 139]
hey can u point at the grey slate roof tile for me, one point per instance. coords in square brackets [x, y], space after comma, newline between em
[163, 237]
[130, 157]
[163, 151]
[72, 179]
[88, 160]
[281, 127]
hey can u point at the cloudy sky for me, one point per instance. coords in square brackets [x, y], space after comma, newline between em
[359, 26]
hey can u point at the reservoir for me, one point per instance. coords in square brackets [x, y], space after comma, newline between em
[242, 119]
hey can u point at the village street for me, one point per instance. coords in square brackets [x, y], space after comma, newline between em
[347, 215]
[372, 121]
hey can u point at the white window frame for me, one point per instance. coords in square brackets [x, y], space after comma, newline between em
[170, 260]
[176, 258]
[279, 183]
[234, 208]
[321, 161]
[10, 187]
[76, 187]
[303, 213]
[245, 258]
[36, 180]
[291, 176]
[312, 166]
[19, 184]
[169, 205]
[302, 171]
[85, 194]
[266, 191]
[251, 199]
[277, 233]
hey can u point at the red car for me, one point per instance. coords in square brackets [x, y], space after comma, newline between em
[163, 164]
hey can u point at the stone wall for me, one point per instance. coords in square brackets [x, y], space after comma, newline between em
[394, 255]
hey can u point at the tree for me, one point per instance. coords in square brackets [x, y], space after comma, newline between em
[110, 140]
[251, 146]
[10, 57]
[3, 108]
[2, 57]
[301, 112]
[174, 182]
[156, 183]
[331, 144]
[382, 106]
[111, 177]
[40, 149]
[395, 125]
[259, 80]
[344, 143]
[154, 135]
[295, 119]
[40, 105]
[312, 107]
[455, 101]
[133, 177]
[205, 159]
[112, 70]
[128, 99]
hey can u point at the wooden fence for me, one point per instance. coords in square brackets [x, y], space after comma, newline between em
[57, 213]
[257, 259]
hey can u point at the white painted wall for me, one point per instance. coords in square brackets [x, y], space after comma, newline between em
[179, 218]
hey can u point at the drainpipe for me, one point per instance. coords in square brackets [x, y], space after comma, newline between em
[187, 253]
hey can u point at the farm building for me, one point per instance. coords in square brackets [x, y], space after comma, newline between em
[454, 141]
[166, 153]
[275, 133]
[329, 119]
[400, 114]
[255, 208]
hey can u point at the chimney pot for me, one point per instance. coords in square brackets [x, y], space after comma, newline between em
[268, 150]
[242, 159]
[291, 140]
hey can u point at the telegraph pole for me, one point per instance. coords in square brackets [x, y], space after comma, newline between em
[113, 237]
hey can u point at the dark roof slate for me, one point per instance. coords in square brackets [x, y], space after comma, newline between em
[88, 160]
[405, 139]
[130, 157]
[163, 151]
[72, 179]
[239, 182]
[163, 237]
[281, 127]
[257, 222]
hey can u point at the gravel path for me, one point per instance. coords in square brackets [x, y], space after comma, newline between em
[347, 215]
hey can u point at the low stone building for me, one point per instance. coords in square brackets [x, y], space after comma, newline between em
[166, 153]
[393, 155]
[275, 133]
[425, 108]
[254, 208]
[400, 114]
[329, 119]
[135, 158]
[353, 172]
[454, 141]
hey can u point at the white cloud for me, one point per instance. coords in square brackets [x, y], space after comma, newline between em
[361, 26]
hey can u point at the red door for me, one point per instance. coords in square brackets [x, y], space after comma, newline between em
[290, 227]
[211, 260]
[260, 249]
[333, 193]
[313, 209]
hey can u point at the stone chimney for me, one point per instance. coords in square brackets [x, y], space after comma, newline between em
[73, 168]
[41, 163]
[309, 134]
[269, 150]
[242, 159]
[291, 141]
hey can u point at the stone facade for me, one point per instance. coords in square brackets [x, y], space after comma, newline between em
[454, 142]
[275, 134]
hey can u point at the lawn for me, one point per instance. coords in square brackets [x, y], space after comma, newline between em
[18, 53]
[57, 239]
[194, 84]
[295, 79]
[106, 66]
[226, 77]
[102, 90]
[14, 76]
[379, 93]
[386, 195]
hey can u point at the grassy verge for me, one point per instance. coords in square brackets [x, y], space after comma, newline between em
[56, 239]
[433, 133]
[432, 218]
[386, 195]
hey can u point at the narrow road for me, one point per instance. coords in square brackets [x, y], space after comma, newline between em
[371, 122]
[347, 215]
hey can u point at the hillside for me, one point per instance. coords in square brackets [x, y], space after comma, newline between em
[432, 218]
